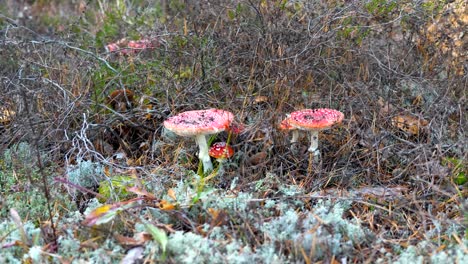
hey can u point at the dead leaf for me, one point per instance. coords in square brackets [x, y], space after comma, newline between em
[6, 115]
[19, 224]
[171, 193]
[107, 171]
[90, 243]
[166, 206]
[134, 255]
[218, 217]
[148, 108]
[107, 212]
[141, 192]
[409, 124]
[138, 240]
[213, 212]
[257, 158]
[418, 100]
[260, 99]
[385, 107]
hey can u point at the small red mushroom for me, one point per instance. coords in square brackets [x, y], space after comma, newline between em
[221, 151]
[315, 120]
[199, 123]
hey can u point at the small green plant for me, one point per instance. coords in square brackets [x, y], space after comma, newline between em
[381, 8]
[458, 167]
[116, 187]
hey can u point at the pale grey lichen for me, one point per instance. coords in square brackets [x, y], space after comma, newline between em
[269, 254]
[193, 248]
[68, 244]
[9, 232]
[282, 228]
[453, 254]
[35, 253]
[425, 252]
[290, 190]
[232, 203]
[19, 153]
[331, 233]
[85, 174]
[32, 204]
[8, 257]
[410, 255]
[269, 204]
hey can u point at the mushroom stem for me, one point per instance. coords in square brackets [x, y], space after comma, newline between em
[220, 166]
[295, 136]
[203, 153]
[314, 143]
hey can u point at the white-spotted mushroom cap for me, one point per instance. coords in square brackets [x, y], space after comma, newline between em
[198, 122]
[220, 150]
[315, 119]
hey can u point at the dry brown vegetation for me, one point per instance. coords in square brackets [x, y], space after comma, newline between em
[398, 72]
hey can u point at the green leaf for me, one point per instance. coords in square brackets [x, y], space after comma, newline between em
[458, 169]
[231, 14]
[159, 236]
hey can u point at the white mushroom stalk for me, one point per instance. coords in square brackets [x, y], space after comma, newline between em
[314, 143]
[203, 152]
[295, 136]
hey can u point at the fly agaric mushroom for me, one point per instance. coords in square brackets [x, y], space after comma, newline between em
[315, 120]
[286, 126]
[199, 123]
[221, 151]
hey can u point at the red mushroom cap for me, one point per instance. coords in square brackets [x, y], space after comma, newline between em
[112, 47]
[140, 44]
[220, 150]
[285, 125]
[199, 122]
[315, 119]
